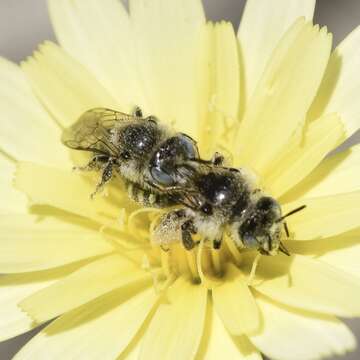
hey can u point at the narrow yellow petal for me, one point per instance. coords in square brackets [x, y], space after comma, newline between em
[304, 154]
[297, 335]
[24, 122]
[91, 281]
[175, 330]
[283, 96]
[12, 200]
[235, 304]
[64, 190]
[217, 343]
[64, 86]
[167, 39]
[99, 330]
[15, 288]
[339, 173]
[324, 216]
[308, 284]
[99, 36]
[262, 25]
[219, 86]
[32, 243]
[342, 251]
[339, 89]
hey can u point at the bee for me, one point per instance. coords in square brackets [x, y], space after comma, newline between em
[162, 168]
[149, 156]
[228, 201]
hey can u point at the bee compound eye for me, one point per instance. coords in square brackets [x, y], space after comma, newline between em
[189, 146]
[161, 178]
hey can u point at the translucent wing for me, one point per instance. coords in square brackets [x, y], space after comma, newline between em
[93, 131]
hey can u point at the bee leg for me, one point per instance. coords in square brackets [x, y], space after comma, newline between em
[137, 112]
[217, 159]
[217, 244]
[105, 178]
[95, 163]
[187, 229]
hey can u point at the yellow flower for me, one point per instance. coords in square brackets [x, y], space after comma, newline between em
[273, 97]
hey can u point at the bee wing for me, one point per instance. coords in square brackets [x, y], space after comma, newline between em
[92, 132]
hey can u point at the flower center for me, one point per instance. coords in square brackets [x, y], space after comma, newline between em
[204, 264]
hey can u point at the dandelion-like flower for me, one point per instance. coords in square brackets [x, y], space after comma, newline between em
[274, 98]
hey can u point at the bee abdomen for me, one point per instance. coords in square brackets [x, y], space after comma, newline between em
[147, 197]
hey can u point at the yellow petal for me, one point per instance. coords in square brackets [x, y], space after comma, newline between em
[219, 87]
[262, 25]
[100, 330]
[324, 216]
[339, 89]
[15, 288]
[32, 243]
[26, 129]
[175, 330]
[297, 335]
[235, 303]
[65, 190]
[99, 36]
[12, 200]
[304, 154]
[64, 86]
[342, 251]
[217, 343]
[337, 174]
[283, 96]
[308, 284]
[91, 281]
[167, 39]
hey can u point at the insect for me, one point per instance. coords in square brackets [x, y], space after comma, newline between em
[162, 168]
[148, 155]
[228, 202]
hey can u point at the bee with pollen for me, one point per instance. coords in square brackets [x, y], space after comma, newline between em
[162, 168]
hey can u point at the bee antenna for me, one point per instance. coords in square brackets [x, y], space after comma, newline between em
[291, 213]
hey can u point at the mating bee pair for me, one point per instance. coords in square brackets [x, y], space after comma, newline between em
[162, 168]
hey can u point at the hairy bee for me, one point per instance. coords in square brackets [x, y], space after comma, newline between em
[162, 168]
[227, 202]
[148, 155]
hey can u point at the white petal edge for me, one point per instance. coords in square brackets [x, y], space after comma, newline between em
[339, 89]
[15, 288]
[12, 200]
[65, 87]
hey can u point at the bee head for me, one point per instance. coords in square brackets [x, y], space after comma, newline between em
[259, 228]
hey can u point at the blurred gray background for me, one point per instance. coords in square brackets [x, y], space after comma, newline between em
[24, 24]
